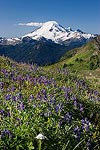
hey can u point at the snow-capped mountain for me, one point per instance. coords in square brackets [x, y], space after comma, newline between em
[51, 30]
[10, 41]
[13, 41]
[45, 45]
[3, 41]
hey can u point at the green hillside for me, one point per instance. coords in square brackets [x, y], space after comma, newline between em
[44, 109]
[84, 58]
[85, 61]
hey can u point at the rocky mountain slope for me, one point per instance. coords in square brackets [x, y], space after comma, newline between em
[51, 30]
[45, 45]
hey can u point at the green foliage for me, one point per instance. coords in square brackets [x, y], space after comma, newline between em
[85, 58]
[56, 103]
[94, 62]
[78, 59]
[65, 65]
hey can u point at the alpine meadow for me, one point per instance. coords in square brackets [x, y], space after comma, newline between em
[49, 75]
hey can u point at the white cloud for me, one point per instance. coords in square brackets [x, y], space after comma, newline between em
[35, 24]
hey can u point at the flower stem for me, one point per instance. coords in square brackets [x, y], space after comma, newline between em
[40, 142]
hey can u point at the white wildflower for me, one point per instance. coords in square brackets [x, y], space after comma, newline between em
[40, 136]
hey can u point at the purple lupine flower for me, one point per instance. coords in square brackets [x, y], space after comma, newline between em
[13, 88]
[1, 85]
[6, 133]
[12, 74]
[66, 89]
[39, 96]
[51, 101]
[77, 133]
[88, 144]
[73, 97]
[68, 117]
[76, 129]
[75, 105]
[44, 94]
[13, 65]
[21, 106]
[2, 112]
[85, 124]
[14, 79]
[96, 92]
[8, 97]
[60, 123]
[31, 96]
[43, 91]
[81, 107]
[19, 96]
[4, 147]
[3, 71]
[8, 114]
[14, 98]
[18, 120]
[19, 77]
[58, 107]
[8, 89]
[6, 74]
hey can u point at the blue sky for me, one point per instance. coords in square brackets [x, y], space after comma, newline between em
[78, 14]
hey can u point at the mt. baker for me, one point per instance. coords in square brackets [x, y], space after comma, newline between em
[44, 45]
[51, 30]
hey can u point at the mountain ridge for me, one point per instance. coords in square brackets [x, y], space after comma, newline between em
[51, 30]
[57, 33]
[86, 57]
[46, 45]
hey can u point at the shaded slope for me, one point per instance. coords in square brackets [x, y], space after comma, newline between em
[41, 52]
[38, 52]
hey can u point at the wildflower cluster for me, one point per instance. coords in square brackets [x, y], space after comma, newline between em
[54, 106]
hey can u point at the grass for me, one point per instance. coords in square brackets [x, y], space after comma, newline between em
[85, 61]
[53, 101]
